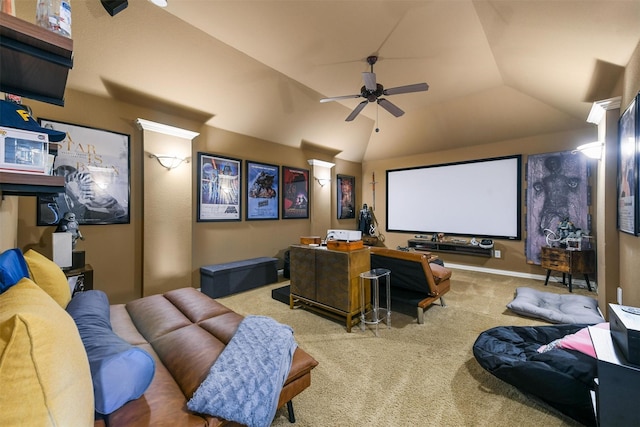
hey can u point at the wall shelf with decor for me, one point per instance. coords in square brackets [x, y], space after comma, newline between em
[35, 61]
[450, 247]
[22, 184]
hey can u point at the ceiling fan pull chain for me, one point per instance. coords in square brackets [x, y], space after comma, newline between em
[377, 110]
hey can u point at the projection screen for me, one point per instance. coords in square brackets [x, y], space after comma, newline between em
[480, 198]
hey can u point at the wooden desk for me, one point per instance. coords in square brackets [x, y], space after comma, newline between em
[568, 262]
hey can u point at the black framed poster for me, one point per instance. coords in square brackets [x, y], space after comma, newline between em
[628, 169]
[219, 188]
[96, 170]
[263, 181]
[346, 197]
[295, 194]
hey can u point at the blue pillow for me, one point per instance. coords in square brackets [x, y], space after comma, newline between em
[13, 267]
[120, 371]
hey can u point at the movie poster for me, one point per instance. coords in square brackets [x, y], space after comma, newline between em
[95, 166]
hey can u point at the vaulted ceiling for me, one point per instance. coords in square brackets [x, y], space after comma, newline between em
[497, 70]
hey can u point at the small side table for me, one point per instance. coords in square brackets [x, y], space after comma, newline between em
[80, 279]
[374, 278]
[568, 262]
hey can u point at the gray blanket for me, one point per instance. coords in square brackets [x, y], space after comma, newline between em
[245, 381]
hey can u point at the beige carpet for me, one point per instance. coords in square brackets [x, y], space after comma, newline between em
[412, 375]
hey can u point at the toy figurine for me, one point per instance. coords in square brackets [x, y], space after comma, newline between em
[69, 224]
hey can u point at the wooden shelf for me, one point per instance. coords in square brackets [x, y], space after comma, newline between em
[35, 61]
[22, 184]
[454, 248]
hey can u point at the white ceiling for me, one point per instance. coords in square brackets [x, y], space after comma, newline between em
[497, 70]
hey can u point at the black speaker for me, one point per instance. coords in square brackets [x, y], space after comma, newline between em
[114, 6]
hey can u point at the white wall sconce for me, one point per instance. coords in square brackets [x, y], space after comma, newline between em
[323, 181]
[169, 162]
[160, 3]
[593, 150]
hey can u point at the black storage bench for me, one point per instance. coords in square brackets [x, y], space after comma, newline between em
[219, 280]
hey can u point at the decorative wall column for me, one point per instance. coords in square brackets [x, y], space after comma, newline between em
[167, 207]
[322, 189]
[605, 115]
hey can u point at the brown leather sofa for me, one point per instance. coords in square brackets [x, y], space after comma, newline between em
[185, 331]
[415, 278]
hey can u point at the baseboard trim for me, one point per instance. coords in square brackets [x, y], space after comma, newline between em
[580, 283]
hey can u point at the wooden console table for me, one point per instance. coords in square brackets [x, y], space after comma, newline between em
[328, 281]
[568, 262]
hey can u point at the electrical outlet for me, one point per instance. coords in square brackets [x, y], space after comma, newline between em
[497, 253]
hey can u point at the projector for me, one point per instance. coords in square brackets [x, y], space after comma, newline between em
[348, 235]
[624, 323]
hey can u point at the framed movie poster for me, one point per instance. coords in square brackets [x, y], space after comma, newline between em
[95, 166]
[263, 186]
[628, 130]
[295, 194]
[346, 197]
[219, 190]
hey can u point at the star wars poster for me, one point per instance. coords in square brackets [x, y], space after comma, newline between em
[262, 191]
[295, 196]
[95, 166]
[557, 190]
[220, 187]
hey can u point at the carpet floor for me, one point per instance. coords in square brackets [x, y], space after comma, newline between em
[411, 375]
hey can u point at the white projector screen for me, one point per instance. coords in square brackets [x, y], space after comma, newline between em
[479, 198]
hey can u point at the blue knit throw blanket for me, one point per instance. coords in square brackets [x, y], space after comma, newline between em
[245, 381]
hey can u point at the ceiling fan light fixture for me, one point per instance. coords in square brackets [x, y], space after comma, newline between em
[160, 3]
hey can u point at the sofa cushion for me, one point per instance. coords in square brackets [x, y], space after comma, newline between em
[120, 371]
[12, 268]
[48, 276]
[41, 350]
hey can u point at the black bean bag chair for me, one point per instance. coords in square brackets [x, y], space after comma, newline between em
[560, 377]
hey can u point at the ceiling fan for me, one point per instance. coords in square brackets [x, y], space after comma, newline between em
[372, 91]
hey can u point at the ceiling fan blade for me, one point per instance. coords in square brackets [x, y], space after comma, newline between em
[418, 87]
[338, 98]
[370, 81]
[390, 107]
[356, 111]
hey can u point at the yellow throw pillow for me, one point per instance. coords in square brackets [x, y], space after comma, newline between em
[44, 370]
[48, 276]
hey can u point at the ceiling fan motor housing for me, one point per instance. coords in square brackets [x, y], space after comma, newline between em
[372, 95]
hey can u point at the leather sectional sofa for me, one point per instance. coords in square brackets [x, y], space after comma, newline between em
[415, 278]
[47, 363]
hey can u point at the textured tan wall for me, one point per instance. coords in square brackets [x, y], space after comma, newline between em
[167, 206]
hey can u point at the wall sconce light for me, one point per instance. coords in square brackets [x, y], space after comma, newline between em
[323, 181]
[169, 162]
[592, 150]
[161, 3]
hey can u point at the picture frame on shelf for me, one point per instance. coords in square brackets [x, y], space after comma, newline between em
[346, 191]
[219, 188]
[95, 164]
[627, 179]
[263, 190]
[295, 193]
